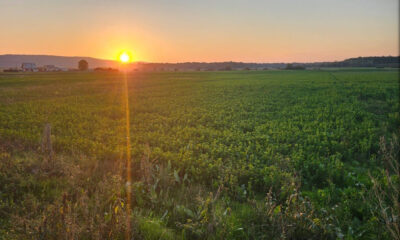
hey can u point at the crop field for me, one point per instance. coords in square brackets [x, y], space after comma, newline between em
[214, 155]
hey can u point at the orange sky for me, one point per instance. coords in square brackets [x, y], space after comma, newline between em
[178, 31]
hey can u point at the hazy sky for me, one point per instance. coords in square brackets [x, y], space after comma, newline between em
[203, 30]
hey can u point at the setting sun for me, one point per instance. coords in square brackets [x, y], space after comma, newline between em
[124, 57]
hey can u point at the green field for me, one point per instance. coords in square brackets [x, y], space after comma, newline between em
[215, 155]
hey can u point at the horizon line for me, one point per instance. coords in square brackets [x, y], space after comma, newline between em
[104, 59]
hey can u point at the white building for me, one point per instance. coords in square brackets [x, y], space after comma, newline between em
[29, 67]
[50, 68]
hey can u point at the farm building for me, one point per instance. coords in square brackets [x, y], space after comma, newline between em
[50, 68]
[29, 67]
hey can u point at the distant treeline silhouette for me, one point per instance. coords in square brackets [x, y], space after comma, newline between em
[392, 62]
[11, 61]
[365, 62]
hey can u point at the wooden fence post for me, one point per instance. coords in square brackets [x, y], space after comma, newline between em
[47, 147]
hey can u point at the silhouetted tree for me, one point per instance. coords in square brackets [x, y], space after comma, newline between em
[83, 65]
[294, 67]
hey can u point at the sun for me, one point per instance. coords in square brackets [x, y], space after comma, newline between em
[124, 57]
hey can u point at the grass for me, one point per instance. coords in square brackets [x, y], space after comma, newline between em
[207, 149]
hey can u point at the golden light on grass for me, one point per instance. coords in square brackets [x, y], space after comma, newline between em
[128, 158]
[124, 57]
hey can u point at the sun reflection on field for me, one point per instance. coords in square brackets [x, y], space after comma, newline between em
[128, 158]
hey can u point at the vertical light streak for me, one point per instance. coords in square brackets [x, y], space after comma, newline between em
[128, 158]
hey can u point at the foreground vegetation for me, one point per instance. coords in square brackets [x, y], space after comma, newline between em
[215, 155]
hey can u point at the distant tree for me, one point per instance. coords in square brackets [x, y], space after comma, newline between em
[289, 66]
[294, 67]
[101, 69]
[226, 68]
[83, 65]
[11, 70]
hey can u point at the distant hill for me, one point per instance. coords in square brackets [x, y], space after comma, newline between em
[7, 61]
[365, 62]
[11, 60]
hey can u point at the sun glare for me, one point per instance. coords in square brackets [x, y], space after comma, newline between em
[124, 57]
